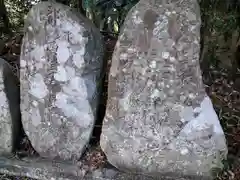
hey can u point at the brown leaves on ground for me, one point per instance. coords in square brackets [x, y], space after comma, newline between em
[94, 158]
[226, 100]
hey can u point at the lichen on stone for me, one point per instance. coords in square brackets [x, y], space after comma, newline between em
[61, 64]
[162, 120]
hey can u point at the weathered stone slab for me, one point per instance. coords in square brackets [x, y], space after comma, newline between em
[159, 117]
[39, 168]
[44, 169]
[61, 62]
[9, 109]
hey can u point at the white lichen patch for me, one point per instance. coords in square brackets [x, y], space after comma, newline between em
[153, 64]
[74, 107]
[70, 72]
[136, 18]
[170, 43]
[37, 86]
[197, 110]
[64, 73]
[38, 52]
[125, 102]
[165, 55]
[78, 58]
[63, 53]
[34, 103]
[171, 81]
[76, 87]
[62, 102]
[172, 68]
[1, 86]
[131, 50]
[23, 63]
[207, 117]
[155, 94]
[61, 74]
[35, 114]
[39, 65]
[73, 101]
[123, 56]
[70, 26]
[168, 13]
[161, 84]
[30, 28]
[192, 95]
[187, 114]
[172, 59]
[4, 113]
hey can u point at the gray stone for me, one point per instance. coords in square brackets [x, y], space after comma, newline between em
[44, 169]
[9, 109]
[103, 174]
[159, 118]
[61, 64]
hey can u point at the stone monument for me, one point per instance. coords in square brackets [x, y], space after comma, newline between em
[159, 118]
[61, 65]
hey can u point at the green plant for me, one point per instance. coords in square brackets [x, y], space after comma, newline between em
[108, 15]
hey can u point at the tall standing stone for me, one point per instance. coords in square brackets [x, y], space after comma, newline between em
[159, 118]
[9, 109]
[61, 62]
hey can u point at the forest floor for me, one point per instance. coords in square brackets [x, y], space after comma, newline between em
[225, 97]
[226, 101]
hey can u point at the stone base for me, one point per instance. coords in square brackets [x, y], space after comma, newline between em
[42, 169]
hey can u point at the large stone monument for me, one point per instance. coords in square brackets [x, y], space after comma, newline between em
[61, 64]
[159, 118]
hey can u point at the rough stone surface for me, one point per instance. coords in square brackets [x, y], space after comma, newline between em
[43, 169]
[159, 117]
[61, 62]
[9, 109]
[109, 173]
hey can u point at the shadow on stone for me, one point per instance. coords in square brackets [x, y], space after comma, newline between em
[109, 47]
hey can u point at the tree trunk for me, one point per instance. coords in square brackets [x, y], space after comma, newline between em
[234, 48]
[205, 34]
[80, 7]
[4, 18]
